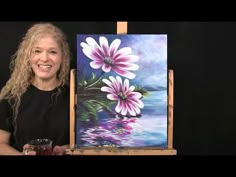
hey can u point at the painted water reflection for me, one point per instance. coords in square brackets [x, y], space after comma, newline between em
[150, 129]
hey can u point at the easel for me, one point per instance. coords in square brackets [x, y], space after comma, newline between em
[121, 29]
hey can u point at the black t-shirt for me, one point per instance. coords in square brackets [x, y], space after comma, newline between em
[42, 114]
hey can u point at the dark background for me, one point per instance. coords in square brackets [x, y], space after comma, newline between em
[203, 56]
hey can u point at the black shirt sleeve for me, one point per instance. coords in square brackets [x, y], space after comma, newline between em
[5, 116]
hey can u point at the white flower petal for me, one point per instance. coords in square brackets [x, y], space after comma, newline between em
[118, 107]
[124, 109]
[106, 81]
[131, 111]
[140, 103]
[136, 109]
[133, 58]
[112, 97]
[137, 102]
[107, 89]
[127, 66]
[126, 74]
[90, 54]
[131, 88]
[115, 83]
[104, 45]
[114, 46]
[119, 83]
[135, 95]
[126, 58]
[92, 43]
[106, 68]
[85, 46]
[126, 85]
[95, 64]
[123, 52]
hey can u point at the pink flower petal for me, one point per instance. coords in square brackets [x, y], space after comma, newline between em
[104, 45]
[134, 106]
[107, 89]
[124, 108]
[135, 95]
[126, 66]
[121, 72]
[130, 109]
[136, 102]
[96, 64]
[115, 84]
[126, 85]
[137, 110]
[118, 107]
[106, 68]
[90, 54]
[123, 52]
[127, 58]
[113, 47]
[92, 49]
[112, 97]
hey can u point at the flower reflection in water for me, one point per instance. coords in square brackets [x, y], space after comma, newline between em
[110, 133]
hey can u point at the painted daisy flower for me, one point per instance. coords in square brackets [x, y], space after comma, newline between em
[109, 57]
[129, 102]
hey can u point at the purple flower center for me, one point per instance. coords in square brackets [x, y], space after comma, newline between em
[108, 60]
[122, 96]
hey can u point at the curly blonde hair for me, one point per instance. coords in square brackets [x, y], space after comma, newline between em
[21, 72]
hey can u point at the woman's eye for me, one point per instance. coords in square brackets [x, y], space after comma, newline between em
[37, 51]
[53, 52]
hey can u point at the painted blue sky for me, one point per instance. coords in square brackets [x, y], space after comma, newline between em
[152, 52]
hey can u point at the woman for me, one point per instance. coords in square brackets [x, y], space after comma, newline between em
[34, 103]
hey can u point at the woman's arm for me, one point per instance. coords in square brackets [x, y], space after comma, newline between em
[5, 148]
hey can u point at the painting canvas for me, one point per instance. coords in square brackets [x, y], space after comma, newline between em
[121, 90]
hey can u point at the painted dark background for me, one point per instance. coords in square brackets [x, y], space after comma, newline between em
[203, 57]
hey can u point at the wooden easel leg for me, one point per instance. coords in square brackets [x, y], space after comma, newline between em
[170, 109]
[72, 108]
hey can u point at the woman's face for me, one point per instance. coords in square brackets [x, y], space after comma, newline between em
[46, 59]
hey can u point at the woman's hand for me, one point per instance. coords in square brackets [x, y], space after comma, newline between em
[27, 150]
[60, 150]
[57, 150]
